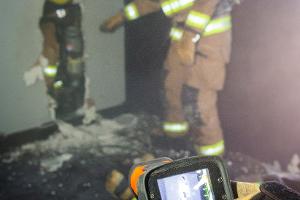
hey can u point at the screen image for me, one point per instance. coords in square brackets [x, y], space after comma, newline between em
[195, 185]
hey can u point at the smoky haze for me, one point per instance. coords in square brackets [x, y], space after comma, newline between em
[260, 105]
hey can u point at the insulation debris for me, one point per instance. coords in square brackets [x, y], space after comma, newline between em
[294, 166]
[33, 75]
[128, 120]
[53, 164]
[273, 168]
[99, 139]
[79, 158]
[90, 115]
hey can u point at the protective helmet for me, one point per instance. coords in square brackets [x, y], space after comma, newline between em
[60, 2]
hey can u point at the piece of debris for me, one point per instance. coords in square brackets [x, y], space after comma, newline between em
[273, 168]
[294, 166]
[89, 107]
[7, 159]
[33, 75]
[90, 115]
[108, 138]
[53, 164]
[128, 120]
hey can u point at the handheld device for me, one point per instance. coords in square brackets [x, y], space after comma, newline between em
[196, 178]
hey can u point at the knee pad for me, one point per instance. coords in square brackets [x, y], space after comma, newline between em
[191, 111]
[163, 76]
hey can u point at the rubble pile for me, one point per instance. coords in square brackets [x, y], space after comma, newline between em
[108, 137]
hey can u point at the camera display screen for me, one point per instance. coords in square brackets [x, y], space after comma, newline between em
[195, 185]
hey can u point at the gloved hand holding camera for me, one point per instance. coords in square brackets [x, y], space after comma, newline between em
[198, 178]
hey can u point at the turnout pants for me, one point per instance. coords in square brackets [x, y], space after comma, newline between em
[191, 91]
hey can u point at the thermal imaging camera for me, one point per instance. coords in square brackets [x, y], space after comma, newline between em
[196, 178]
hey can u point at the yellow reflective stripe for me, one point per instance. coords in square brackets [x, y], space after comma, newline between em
[58, 84]
[176, 127]
[197, 20]
[212, 150]
[167, 9]
[60, 2]
[50, 71]
[174, 6]
[131, 11]
[215, 26]
[176, 34]
[218, 25]
[186, 3]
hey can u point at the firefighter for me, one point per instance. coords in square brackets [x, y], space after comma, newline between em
[61, 60]
[195, 65]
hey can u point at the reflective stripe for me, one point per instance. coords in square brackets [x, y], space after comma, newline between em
[131, 11]
[197, 20]
[176, 127]
[58, 84]
[50, 71]
[218, 25]
[215, 26]
[172, 7]
[212, 150]
[61, 13]
[196, 38]
[60, 2]
[176, 34]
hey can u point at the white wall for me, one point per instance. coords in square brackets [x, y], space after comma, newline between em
[20, 44]
[105, 63]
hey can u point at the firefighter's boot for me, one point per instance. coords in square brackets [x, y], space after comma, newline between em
[117, 184]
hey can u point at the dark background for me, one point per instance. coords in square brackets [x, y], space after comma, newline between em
[147, 42]
[260, 105]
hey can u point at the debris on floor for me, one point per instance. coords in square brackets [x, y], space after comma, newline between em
[54, 163]
[98, 138]
[294, 166]
[74, 162]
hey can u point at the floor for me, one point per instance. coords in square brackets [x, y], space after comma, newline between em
[74, 162]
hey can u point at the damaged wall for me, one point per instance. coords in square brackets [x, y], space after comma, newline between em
[22, 107]
[260, 106]
[20, 40]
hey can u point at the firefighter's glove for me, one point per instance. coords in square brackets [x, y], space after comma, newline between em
[112, 23]
[186, 48]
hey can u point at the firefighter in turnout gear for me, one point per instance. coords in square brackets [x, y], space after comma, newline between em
[195, 65]
[61, 59]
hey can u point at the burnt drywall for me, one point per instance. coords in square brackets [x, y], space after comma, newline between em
[260, 105]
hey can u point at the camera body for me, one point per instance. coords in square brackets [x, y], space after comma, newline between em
[195, 178]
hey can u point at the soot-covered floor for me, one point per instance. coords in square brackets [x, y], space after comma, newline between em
[74, 162]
